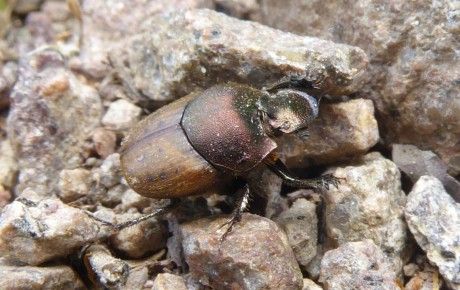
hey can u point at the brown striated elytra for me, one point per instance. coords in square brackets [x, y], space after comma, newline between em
[158, 161]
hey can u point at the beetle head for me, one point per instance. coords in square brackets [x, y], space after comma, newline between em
[288, 110]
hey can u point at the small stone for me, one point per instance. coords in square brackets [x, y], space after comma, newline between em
[410, 269]
[37, 278]
[310, 285]
[300, 224]
[166, 281]
[8, 164]
[369, 204]
[434, 220]
[36, 232]
[141, 239]
[341, 131]
[108, 174]
[425, 281]
[105, 269]
[74, 183]
[121, 115]
[131, 199]
[210, 48]
[255, 255]
[416, 163]
[105, 142]
[357, 265]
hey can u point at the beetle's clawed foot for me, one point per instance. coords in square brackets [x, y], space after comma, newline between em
[229, 224]
[328, 180]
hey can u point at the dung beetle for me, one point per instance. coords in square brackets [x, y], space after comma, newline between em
[203, 140]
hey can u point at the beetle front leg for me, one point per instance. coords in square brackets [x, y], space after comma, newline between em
[240, 206]
[317, 184]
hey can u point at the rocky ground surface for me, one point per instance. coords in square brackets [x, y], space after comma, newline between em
[76, 76]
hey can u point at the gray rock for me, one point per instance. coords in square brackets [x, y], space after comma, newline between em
[106, 270]
[300, 224]
[255, 255]
[341, 131]
[414, 71]
[357, 265]
[46, 101]
[121, 115]
[185, 51]
[434, 220]
[36, 232]
[415, 163]
[369, 204]
[74, 183]
[38, 278]
[105, 23]
[166, 281]
[108, 174]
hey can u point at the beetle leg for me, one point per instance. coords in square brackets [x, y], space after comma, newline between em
[317, 184]
[132, 222]
[240, 207]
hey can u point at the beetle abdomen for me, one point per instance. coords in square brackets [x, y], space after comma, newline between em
[158, 160]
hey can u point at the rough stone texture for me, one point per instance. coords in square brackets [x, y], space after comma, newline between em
[166, 281]
[46, 101]
[415, 163]
[357, 265]
[210, 48]
[255, 255]
[341, 131]
[310, 285]
[300, 224]
[105, 23]
[369, 204]
[414, 68]
[74, 183]
[34, 233]
[53, 25]
[8, 165]
[141, 239]
[106, 270]
[434, 220]
[38, 278]
[121, 115]
[108, 174]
